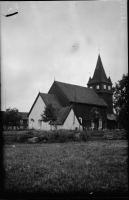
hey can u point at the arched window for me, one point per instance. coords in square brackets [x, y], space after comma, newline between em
[109, 87]
[100, 123]
[97, 86]
[104, 86]
[39, 124]
[92, 125]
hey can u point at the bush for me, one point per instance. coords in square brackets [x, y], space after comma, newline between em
[61, 135]
[116, 134]
[23, 138]
[98, 133]
[55, 136]
[84, 136]
[9, 139]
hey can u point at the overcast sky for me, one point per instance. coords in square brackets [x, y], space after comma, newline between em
[59, 40]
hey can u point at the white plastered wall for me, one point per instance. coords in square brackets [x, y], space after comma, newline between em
[36, 115]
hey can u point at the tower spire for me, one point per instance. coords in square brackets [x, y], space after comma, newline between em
[99, 73]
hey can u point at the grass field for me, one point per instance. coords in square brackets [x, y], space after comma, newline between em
[74, 168]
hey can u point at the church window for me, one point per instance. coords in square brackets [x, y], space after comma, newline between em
[92, 125]
[104, 86]
[109, 87]
[39, 123]
[97, 87]
[100, 123]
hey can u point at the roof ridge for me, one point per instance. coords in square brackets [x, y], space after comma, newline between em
[47, 93]
[73, 85]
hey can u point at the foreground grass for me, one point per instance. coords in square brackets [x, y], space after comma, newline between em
[67, 168]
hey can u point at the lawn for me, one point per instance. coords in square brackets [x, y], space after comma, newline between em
[74, 168]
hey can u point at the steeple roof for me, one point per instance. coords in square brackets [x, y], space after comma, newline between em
[99, 74]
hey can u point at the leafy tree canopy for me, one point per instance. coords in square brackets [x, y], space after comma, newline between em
[11, 117]
[121, 92]
[95, 114]
[49, 114]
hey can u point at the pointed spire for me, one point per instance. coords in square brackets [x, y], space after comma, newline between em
[99, 73]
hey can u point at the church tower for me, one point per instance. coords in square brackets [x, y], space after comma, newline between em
[102, 85]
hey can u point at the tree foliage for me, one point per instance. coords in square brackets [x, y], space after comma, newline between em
[49, 114]
[11, 117]
[95, 114]
[121, 92]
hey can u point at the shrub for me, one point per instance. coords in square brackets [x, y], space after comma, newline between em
[23, 138]
[62, 135]
[9, 139]
[84, 136]
[59, 136]
[55, 136]
[98, 133]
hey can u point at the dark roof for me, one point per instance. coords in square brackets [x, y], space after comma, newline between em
[80, 94]
[62, 114]
[24, 115]
[111, 117]
[50, 99]
[99, 74]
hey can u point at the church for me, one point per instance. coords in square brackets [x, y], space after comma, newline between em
[73, 104]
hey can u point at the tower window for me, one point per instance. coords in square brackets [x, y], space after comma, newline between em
[104, 86]
[109, 87]
[97, 87]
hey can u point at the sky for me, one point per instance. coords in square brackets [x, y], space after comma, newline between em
[59, 40]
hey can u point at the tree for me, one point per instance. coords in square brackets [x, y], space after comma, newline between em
[95, 115]
[49, 114]
[121, 92]
[11, 117]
